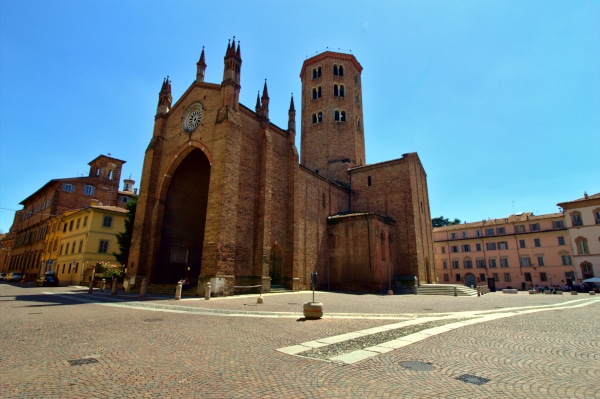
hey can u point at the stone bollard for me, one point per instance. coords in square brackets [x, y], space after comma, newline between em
[573, 292]
[143, 288]
[113, 288]
[455, 292]
[207, 291]
[103, 286]
[178, 289]
[592, 292]
[91, 289]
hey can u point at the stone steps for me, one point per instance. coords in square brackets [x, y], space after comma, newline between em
[445, 289]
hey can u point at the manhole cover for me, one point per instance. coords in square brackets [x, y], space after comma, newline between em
[472, 379]
[417, 366]
[79, 362]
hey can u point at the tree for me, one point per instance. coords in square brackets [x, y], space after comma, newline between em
[124, 238]
[442, 221]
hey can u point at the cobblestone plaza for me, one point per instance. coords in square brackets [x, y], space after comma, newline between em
[67, 343]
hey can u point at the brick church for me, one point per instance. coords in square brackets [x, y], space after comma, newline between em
[225, 197]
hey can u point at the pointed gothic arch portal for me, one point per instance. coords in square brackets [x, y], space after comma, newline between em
[184, 219]
[276, 265]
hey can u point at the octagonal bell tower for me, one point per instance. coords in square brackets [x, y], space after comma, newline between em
[332, 136]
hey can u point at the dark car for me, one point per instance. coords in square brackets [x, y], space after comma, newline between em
[49, 279]
[2, 276]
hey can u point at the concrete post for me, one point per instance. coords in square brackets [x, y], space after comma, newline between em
[103, 284]
[207, 291]
[143, 288]
[178, 290]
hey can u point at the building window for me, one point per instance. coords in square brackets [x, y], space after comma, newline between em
[540, 260]
[457, 277]
[503, 262]
[446, 278]
[339, 116]
[443, 250]
[558, 224]
[453, 236]
[582, 246]
[490, 246]
[507, 277]
[521, 243]
[477, 233]
[576, 218]
[466, 248]
[66, 249]
[338, 70]
[369, 181]
[85, 221]
[465, 234]
[71, 225]
[73, 248]
[444, 264]
[543, 276]
[524, 261]
[520, 229]
[454, 248]
[496, 277]
[103, 247]
[502, 245]
[597, 217]
[527, 276]
[78, 223]
[566, 260]
[455, 264]
[339, 91]
[68, 187]
[481, 277]
[314, 118]
[492, 262]
[107, 221]
[478, 247]
[561, 240]
[468, 264]
[537, 242]
[481, 263]
[316, 92]
[500, 230]
[534, 227]
[316, 72]
[89, 190]
[80, 246]
[586, 270]
[489, 232]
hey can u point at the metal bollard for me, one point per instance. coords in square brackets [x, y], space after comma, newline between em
[178, 290]
[113, 290]
[103, 284]
[207, 291]
[143, 288]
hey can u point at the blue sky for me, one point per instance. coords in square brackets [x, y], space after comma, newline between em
[501, 99]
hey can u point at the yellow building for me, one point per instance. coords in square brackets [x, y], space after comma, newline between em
[87, 237]
[520, 251]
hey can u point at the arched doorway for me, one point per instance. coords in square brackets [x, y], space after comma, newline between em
[276, 266]
[184, 218]
[470, 280]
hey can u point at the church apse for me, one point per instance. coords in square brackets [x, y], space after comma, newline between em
[184, 219]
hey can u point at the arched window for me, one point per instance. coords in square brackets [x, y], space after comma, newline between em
[341, 70]
[586, 270]
[339, 116]
[576, 218]
[314, 118]
[336, 115]
[342, 91]
[314, 93]
[336, 90]
[343, 116]
[316, 72]
[319, 91]
[319, 117]
[335, 70]
[582, 246]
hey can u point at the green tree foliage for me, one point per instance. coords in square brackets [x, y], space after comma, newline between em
[442, 221]
[124, 238]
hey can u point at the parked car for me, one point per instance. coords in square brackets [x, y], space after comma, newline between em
[49, 279]
[2, 276]
[14, 277]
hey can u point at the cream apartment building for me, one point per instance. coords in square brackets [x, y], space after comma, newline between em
[520, 251]
[582, 218]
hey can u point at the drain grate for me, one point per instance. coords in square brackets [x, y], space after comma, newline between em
[79, 362]
[417, 366]
[472, 379]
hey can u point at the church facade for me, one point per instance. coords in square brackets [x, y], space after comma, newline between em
[225, 197]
